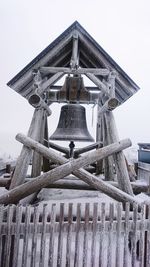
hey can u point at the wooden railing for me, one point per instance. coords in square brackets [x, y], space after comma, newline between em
[80, 234]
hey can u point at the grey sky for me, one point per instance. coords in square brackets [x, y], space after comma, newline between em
[122, 28]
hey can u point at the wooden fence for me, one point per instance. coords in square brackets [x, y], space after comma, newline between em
[83, 234]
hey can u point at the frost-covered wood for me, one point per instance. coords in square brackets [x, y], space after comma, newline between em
[97, 82]
[86, 233]
[26, 153]
[119, 159]
[13, 196]
[65, 70]
[37, 102]
[82, 174]
[109, 105]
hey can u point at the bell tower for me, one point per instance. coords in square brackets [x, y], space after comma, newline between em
[75, 55]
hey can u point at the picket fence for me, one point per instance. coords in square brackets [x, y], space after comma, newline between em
[81, 234]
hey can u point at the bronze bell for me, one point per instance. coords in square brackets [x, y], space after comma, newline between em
[72, 124]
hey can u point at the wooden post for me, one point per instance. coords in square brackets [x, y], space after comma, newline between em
[23, 190]
[108, 162]
[37, 158]
[99, 138]
[119, 159]
[49, 82]
[26, 153]
[46, 162]
[74, 58]
[111, 80]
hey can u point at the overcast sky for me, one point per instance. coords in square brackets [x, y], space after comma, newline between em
[122, 28]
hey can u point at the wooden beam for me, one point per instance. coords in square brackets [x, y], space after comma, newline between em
[73, 166]
[46, 162]
[51, 55]
[109, 105]
[82, 150]
[59, 148]
[96, 71]
[100, 84]
[54, 96]
[74, 59]
[37, 102]
[77, 184]
[49, 82]
[99, 138]
[80, 173]
[111, 80]
[89, 88]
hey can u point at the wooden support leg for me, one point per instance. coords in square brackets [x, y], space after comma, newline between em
[119, 159]
[37, 158]
[26, 153]
[46, 162]
[99, 137]
[108, 162]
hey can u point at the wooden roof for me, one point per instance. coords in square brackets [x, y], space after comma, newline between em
[58, 54]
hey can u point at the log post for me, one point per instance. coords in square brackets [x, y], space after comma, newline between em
[108, 162]
[74, 58]
[72, 166]
[111, 80]
[119, 159]
[99, 138]
[26, 153]
[46, 162]
[37, 158]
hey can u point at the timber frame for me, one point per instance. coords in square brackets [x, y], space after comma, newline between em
[75, 54]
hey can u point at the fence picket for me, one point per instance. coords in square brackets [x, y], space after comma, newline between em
[60, 235]
[34, 238]
[147, 245]
[43, 236]
[102, 235]
[93, 249]
[52, 231]
[1, 236]
[134, 236]
[142, 236]
[18, 219]
[8, 240]
[85, 238]
[26, 236]
[77, 240]
[126, 236]
[110, 235]
[118, 235]
[69, 233]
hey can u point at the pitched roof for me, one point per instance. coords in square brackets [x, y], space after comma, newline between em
[58, 53]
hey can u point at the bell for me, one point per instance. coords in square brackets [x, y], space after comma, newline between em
[72, 124]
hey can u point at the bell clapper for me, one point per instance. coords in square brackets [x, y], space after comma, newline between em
[71, 152]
